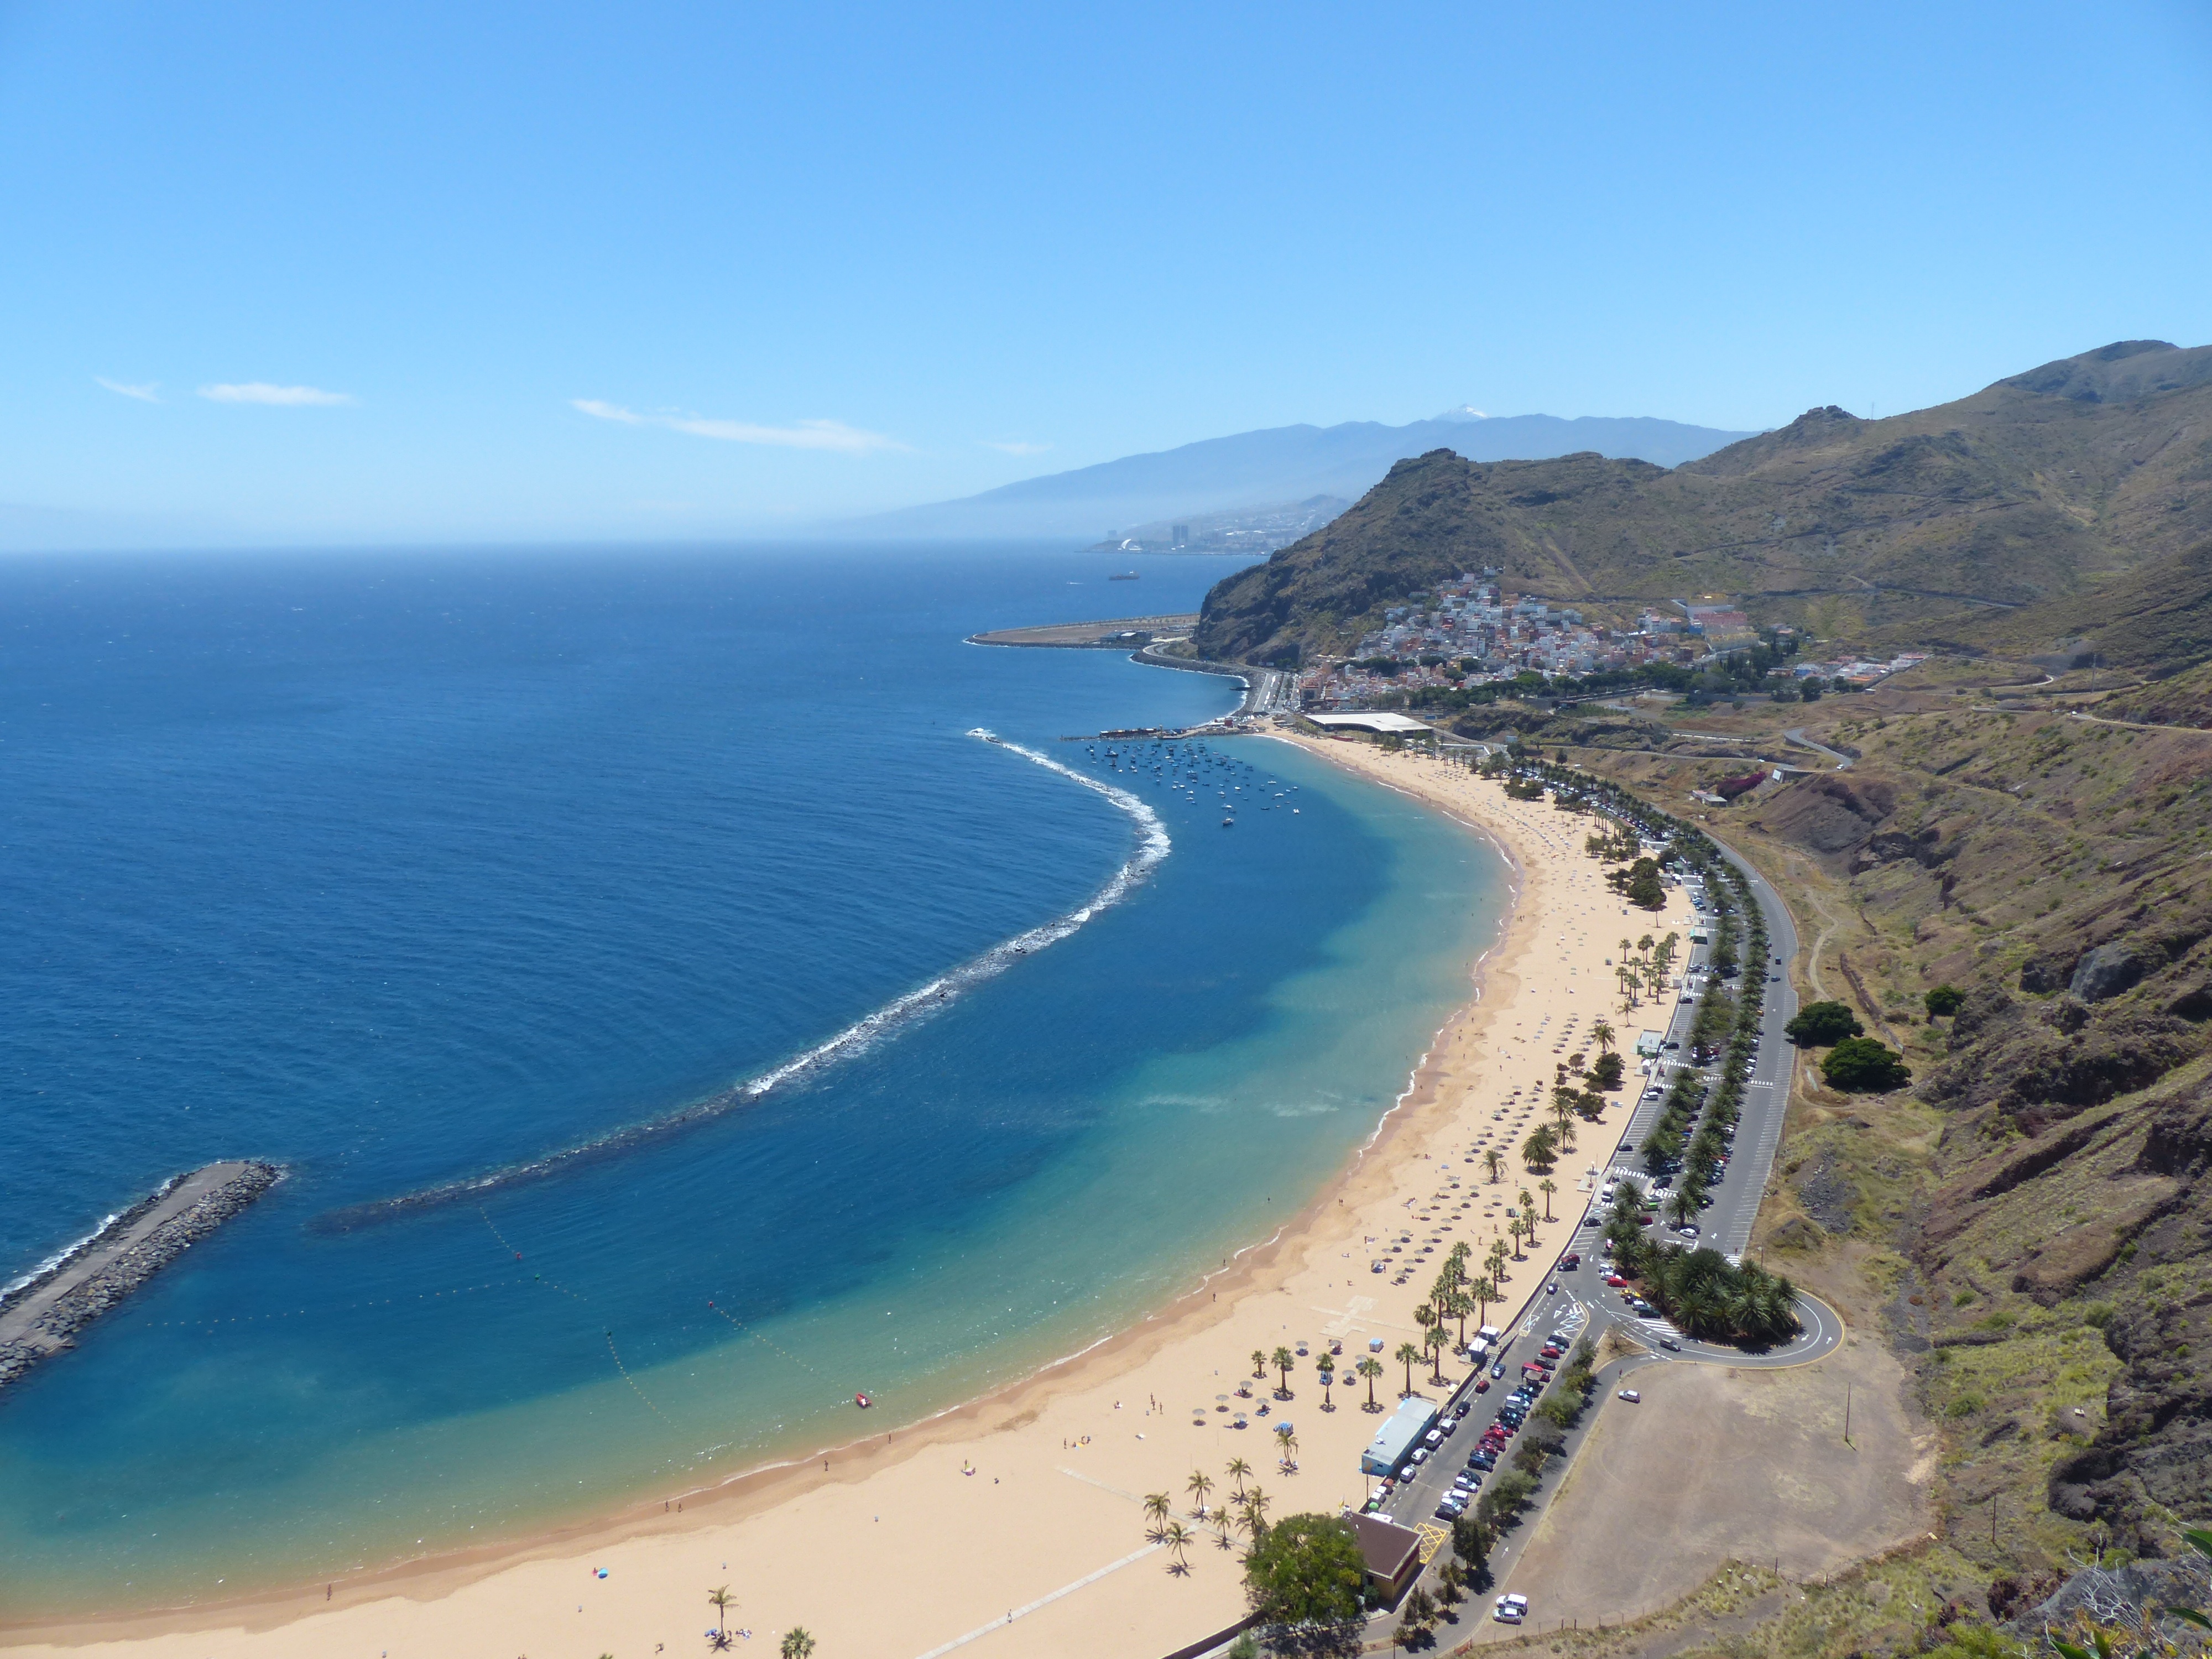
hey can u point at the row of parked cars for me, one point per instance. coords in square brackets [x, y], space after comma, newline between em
[1511, 1414]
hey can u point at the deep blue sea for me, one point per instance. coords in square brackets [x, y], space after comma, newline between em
[411, 869]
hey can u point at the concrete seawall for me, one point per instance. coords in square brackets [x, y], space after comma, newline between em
[42, 1318]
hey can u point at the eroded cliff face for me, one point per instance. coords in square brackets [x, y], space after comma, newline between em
[2058, 873]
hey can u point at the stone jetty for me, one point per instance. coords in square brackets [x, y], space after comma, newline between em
[43, 1317]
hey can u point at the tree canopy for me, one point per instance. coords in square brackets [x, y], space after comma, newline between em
[1818, 1024]
[1306, 1570]
[1859, 1064]
[1943, 1001]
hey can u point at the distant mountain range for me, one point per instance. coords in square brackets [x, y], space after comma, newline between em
[2067, 503]
[1281, 464]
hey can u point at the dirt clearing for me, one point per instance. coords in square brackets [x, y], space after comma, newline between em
[1720, 1464]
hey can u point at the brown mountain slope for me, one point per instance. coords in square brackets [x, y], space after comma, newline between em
[2157, 616]
[2037, 1209]
[2030, 490]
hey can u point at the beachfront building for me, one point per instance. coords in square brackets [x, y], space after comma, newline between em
[1381, 722]
[1392, 1552]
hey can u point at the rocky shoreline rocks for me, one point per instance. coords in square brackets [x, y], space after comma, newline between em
[42, 1317]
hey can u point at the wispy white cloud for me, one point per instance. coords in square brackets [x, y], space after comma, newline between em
[282, 397]
[1016, 447]
[147, 393]
[803, 434]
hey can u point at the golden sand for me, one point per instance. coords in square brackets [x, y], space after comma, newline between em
[1016, 1525]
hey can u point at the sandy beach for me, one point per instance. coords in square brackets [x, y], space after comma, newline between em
[1014, 1525]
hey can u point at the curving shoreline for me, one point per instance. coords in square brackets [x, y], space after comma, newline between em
[1058, 1457]
[41, 1317]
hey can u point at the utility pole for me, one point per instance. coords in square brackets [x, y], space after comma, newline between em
[1847, 1413]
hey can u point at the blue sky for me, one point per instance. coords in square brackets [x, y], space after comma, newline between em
[439, 272]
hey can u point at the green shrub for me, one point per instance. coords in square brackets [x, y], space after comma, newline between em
[1859, 1064]
[1818, 1024]
[1943, 1001]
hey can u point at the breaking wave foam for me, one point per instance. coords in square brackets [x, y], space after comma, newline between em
[1153, 845]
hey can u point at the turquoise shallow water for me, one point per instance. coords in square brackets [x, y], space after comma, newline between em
[407, 869]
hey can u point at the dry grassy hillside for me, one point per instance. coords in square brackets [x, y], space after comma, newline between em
[2042, 485]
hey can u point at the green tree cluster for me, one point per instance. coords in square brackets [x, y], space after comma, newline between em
[1640, 885]
[1306, 1573]
[1818, 1024]
[1859, 1064]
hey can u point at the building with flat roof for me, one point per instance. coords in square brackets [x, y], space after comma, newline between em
[1369, 720]
[1399, 1435]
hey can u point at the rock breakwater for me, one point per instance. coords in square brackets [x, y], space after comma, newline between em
[42, 1316]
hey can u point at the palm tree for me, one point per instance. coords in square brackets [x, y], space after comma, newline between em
[1259, 1363]
[722, 1601]
[1370, 1368]
[1284, 1441]
[1436, 1342]
[1223, 1522]
[1459, 1307]
[1157, 1506]
[1406, 1356]
[1493, 1164]
[1326, 1368]
[1199, 1483]
[797, 1642]
[1564, 1101]
[1536, 1150]
[1682, 1205]
[1255, 1509]
[1602, 1034]
[1239, 1471]
[1282, 1360]
[1547, 1187]
[1484, 1292]
[1176, 1536]
[1513, 1226]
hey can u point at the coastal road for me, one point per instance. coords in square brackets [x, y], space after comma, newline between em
[1582, 1301]
[1726, 1225]
[1796, 735]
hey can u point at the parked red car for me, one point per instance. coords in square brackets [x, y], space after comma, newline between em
[1617, 1282]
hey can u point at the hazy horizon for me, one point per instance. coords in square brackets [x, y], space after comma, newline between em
[678, 273]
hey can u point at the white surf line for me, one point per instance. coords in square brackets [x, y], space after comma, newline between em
[981, 1630]
[1153, 846]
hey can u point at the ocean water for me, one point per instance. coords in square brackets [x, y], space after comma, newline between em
[495, 896]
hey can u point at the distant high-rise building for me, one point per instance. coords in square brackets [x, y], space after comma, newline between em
[1182, 537]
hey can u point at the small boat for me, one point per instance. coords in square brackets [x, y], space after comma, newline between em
[1229, 824]
[1125, 576]
[862, 1402]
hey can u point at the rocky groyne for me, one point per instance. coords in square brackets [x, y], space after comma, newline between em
[42, 1316]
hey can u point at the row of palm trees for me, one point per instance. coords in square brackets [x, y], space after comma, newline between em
[1644, 969]
[1244, 1510]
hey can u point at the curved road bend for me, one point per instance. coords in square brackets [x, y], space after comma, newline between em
[1582, 1297]
[1796, 735]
